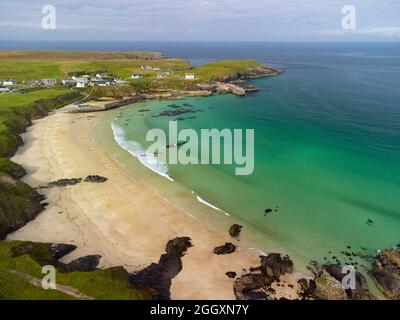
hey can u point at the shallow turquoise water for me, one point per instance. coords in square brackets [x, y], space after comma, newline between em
[327, 153]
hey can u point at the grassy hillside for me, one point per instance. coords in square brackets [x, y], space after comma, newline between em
[17, 273]
[19, 203]
[28, 65]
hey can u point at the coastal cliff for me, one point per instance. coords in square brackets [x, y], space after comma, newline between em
[19, 203]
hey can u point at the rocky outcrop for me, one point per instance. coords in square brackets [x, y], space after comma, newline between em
[227, 248]
[19, 204]
[248, 287]
[156, 278]
[256, 284]
[73, 181]
[360, 292]
[95, 179]
[234, 230]
[386, 272]
[84, 264]
[222, 87]
[328, 288]
[274, 265]
[65, 182]
[60, 250]
[231, 274]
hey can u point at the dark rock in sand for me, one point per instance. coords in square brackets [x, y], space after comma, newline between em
[95, 179]
[235, 229]
[244, 287]
[386, 272]
[60, 250]
[65, 182]
[361, 291]
[227, 248]
[231, 274]
[156, 278]
[84, 264]
[274, 265]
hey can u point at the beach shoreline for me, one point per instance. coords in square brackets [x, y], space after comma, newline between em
[123, 220]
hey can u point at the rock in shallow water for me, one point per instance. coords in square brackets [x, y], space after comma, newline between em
[328, 288]
[386, 272]
[360, 292]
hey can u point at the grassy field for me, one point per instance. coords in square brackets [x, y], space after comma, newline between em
[28, 65]
[10, 101]
[16, 270]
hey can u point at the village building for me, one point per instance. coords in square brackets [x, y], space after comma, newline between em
[119, 81]
[68, 82]
[9, 82]
[4, 89]
[102, 75]
[101, 83]
[189, 76]
[49, 82]
[137, 76]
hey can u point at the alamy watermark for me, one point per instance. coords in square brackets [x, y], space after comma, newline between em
[349, 280]
[349, 20]
[187, 147]
[49, 280]
[49, 17]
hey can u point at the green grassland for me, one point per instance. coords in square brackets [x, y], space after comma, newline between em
[107, 284]
[28, 65]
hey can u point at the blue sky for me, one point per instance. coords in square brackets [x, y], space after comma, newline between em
[200, 20]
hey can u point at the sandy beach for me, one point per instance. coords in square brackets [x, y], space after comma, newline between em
[123, 220]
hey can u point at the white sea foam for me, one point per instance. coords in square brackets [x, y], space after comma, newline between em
[137, 150]
[210, 205]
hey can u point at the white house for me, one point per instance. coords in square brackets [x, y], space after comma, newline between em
[4, 89]
[137, 76]
[189, 76]
[119, 81]
[102, 83]
[102, 75]
[68, 82]
[9, 82]
[49, 82]
[162, 75]
[81, 82]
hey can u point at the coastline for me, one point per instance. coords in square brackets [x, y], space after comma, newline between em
[123, 220]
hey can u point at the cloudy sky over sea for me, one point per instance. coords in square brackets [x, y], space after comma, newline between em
[175, 20]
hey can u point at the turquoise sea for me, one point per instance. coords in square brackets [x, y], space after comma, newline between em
[327, 147]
